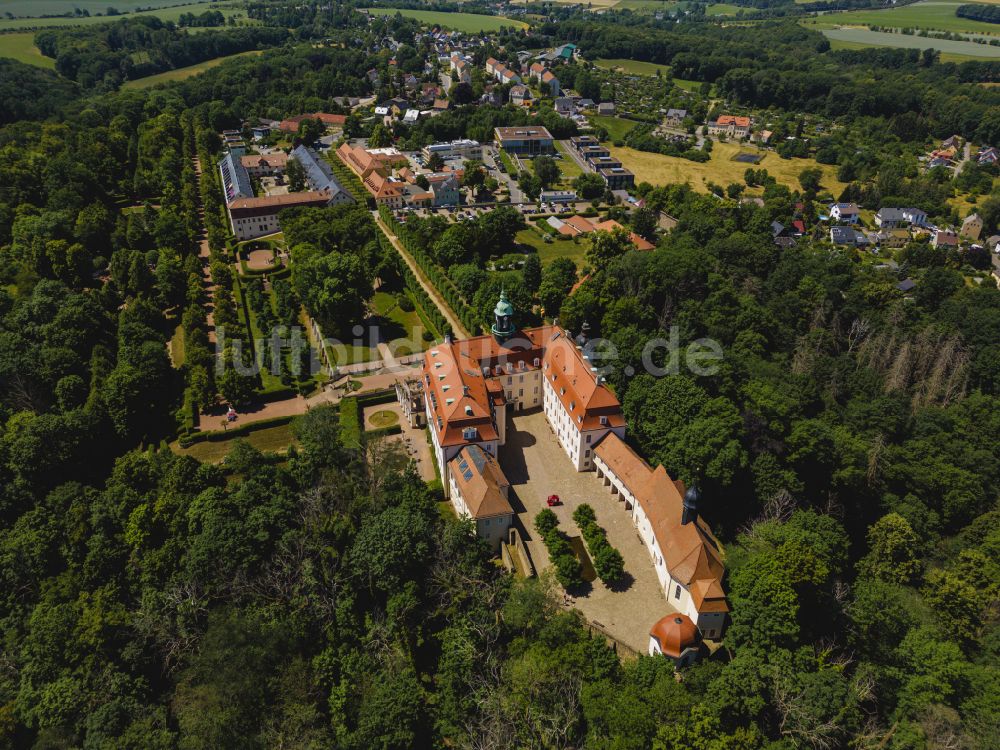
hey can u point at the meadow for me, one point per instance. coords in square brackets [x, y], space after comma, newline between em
[657, 169]
[29, 8]
[181, 73]
[633, 67]
[469, 23]
[929, 14]
[949, 49]
[21, 47]
[166, 14]
[617, 127]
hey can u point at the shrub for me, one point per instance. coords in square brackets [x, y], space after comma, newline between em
[608, 561]
[545, 521]
[405, 303]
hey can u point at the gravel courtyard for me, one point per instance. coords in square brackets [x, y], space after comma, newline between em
[537, 467]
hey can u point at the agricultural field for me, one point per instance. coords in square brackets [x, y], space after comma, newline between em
[652, 5]
[950, 50]
[657, 169]
[181, 73]
[722, 9]
[936, 15]
[166, 14]
[29, 8]
[469, 23]
[21, 47]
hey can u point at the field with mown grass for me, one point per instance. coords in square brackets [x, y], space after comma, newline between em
[951, 51]
[180, 74]
[617, 127]
[21, 46]
[165, 14]
[558, 248]
[936, 15]
[657, 169]
[632, 67]
[470, 23]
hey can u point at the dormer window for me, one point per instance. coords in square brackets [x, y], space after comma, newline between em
[468, 411]
[437, 365]
[604, 420]
[562, 391]
[572, 405]
[445, 387]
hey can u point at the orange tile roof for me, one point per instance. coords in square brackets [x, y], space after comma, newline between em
[674, 633]
[581, 224]
[690, 551]
[583, 398]
[277, 159]
[740, 122]
[639, 242]
[481, 482]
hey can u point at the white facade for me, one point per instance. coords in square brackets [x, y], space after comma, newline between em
[493, 529]
[578, 444]
[460, 149]
[709, 623]
[255, 226]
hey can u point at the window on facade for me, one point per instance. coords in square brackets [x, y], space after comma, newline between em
[677, 591]
[520, 391]
[587, 453]
[589, 437]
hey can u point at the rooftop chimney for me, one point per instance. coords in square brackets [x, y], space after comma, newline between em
[691, 498]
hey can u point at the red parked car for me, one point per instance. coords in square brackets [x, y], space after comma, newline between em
[553, 500]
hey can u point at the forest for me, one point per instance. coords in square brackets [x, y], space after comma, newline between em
[846, 446]
[109, 54]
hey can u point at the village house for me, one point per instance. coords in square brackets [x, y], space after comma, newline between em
[845, 212]
[847, 236]
[471, 386]
[606, 108]
[520, 95]
[944, 238]
[563, 105]
[291, 124]
[890, 218]
[972, 227]
[675, 118]
[731, 126]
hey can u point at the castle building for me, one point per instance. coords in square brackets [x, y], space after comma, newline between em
[471, 386]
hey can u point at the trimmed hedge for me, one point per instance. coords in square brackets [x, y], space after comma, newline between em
[608, 561]
[214, 436]
[350, 422]
[395, 429]
[376, 397]
[568, 568]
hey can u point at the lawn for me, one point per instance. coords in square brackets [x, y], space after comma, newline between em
[266, 439]
[653, 5]
[950, 50]
[722, 9]
[930, 14]
[617, 127]
[469, 23]
[180, 74]
[165, 14]
[397, 323]
[658, 169]
[567, 165]
[22, 48]
[558, 248]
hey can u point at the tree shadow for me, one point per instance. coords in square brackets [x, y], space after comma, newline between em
[622, 584]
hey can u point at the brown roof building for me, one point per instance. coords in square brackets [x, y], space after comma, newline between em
[676, 637]
[686, 555]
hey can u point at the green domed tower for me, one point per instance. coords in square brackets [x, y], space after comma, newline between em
[503, 324]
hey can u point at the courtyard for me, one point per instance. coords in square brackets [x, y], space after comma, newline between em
[537, 467]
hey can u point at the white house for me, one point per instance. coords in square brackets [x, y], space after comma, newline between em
[845, 212]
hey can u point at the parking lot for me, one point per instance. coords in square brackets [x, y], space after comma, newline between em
[537, 467]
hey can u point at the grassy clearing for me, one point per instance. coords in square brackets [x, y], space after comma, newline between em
[658, 169]
[722, 9]
[865, 38]
[651, 5]
[22, 48]
[165, 14]
[267, 440]
[181, 73]
[932, 14]
[398, 323]
[558, 248]
[617, 127]
[633, 67]
[469, 23]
